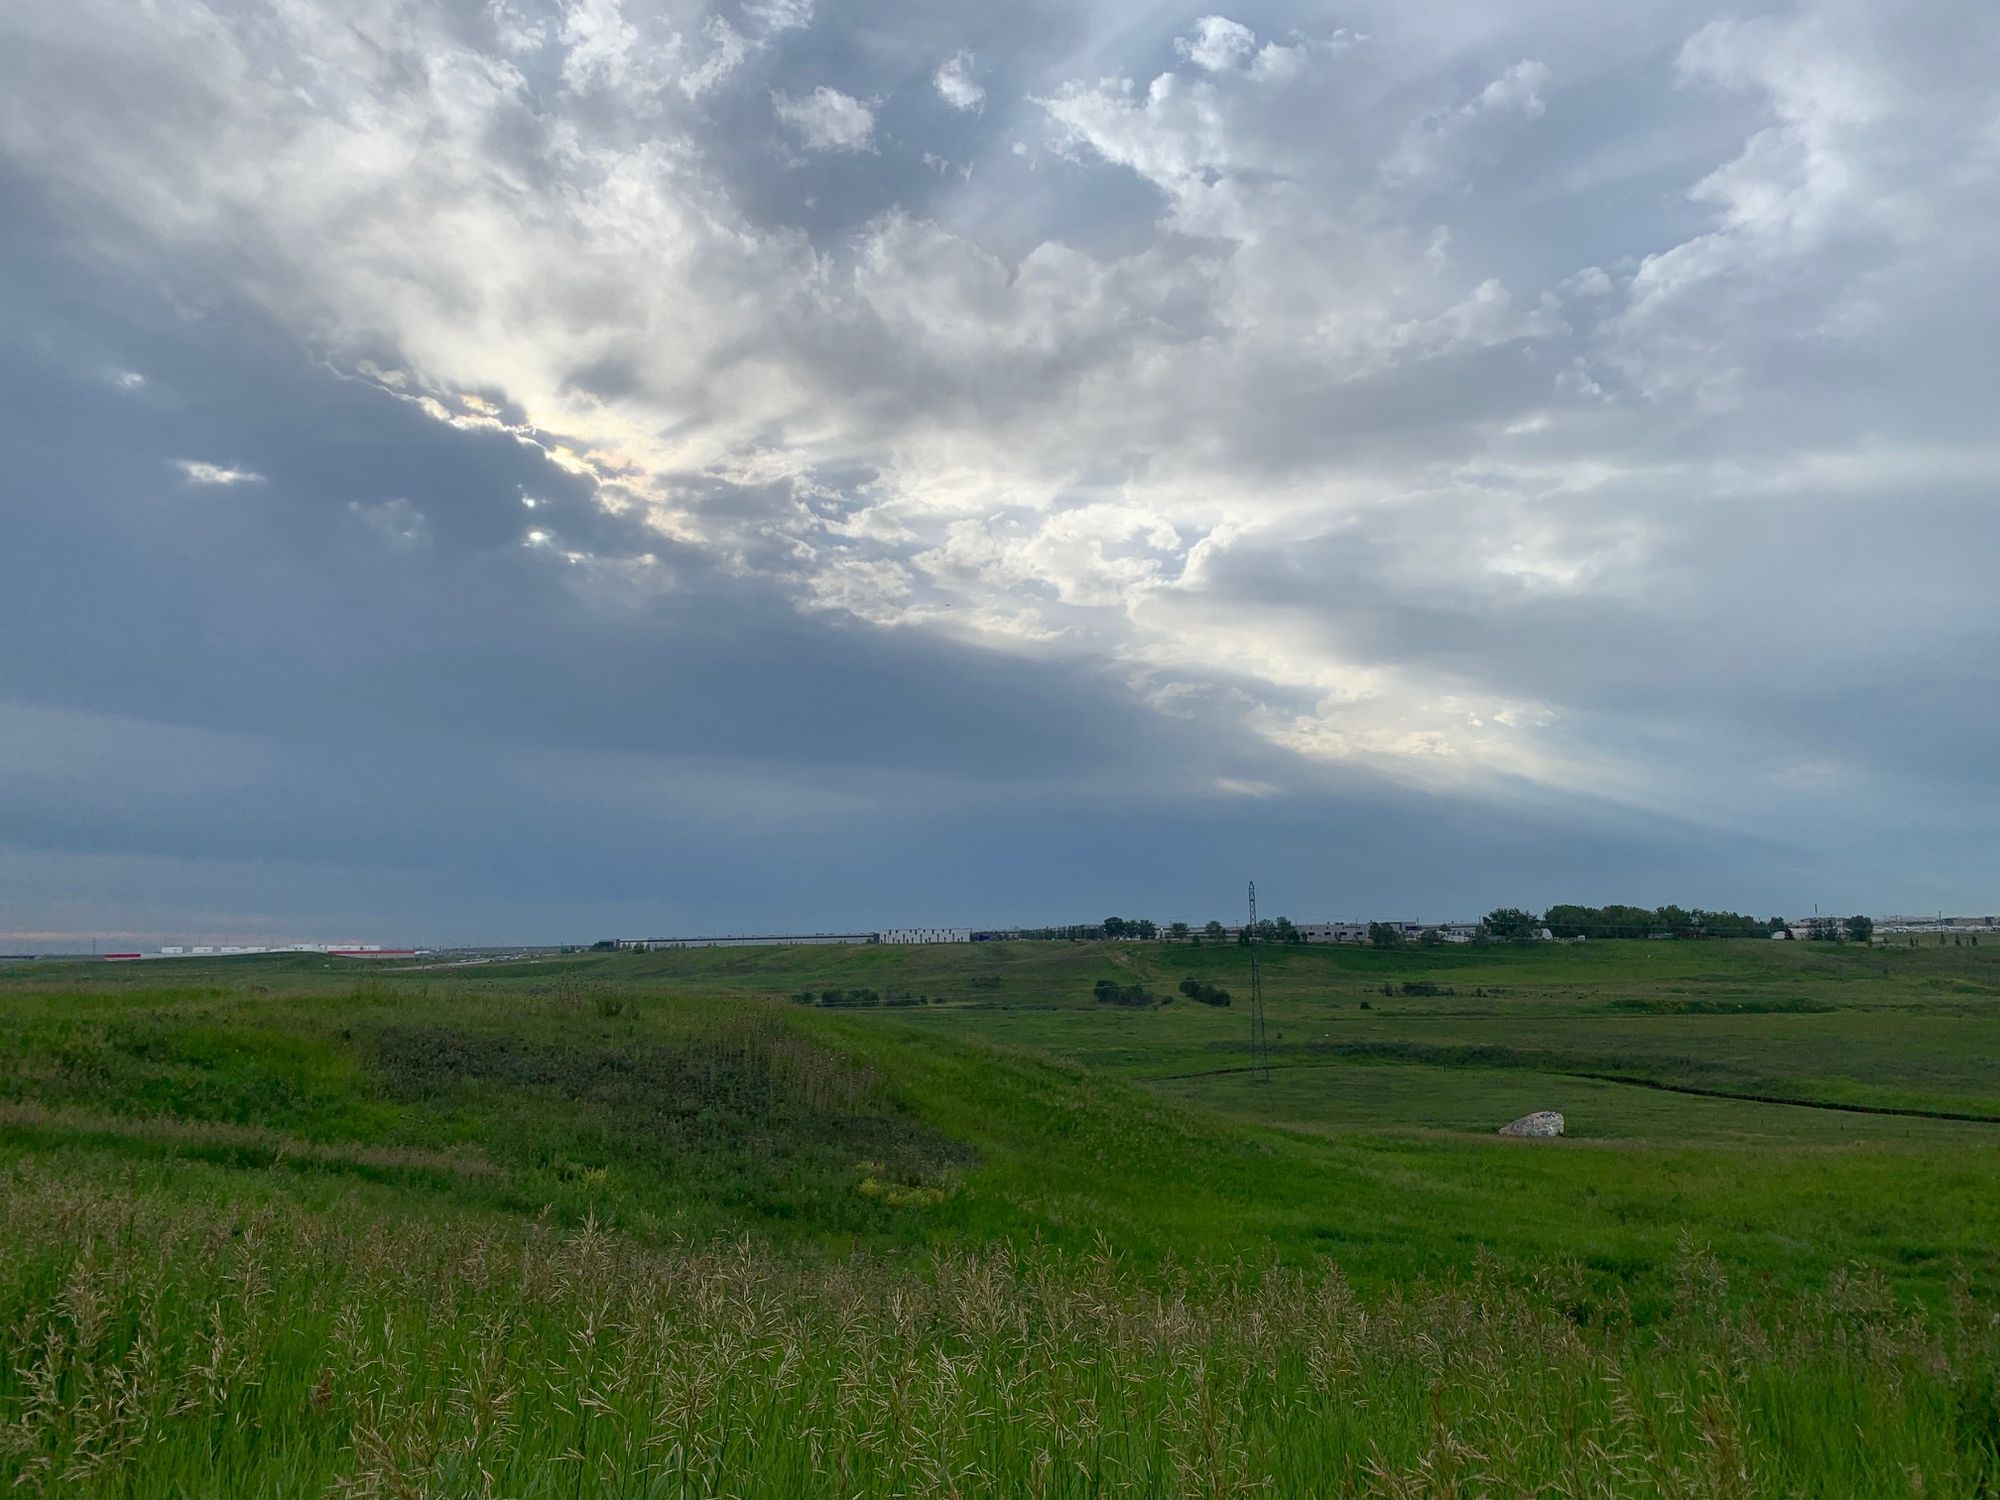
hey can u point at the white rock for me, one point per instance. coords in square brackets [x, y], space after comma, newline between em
[1541, 1122]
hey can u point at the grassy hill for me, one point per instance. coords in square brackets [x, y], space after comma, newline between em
[645, 1224]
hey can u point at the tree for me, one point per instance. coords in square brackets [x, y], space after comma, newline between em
[1382, 935]
[1728, 924]
[1860, 929]
[1509, 924]
[1145, 927]
[1568, 921]
[1283, 931]
[1114, 927]
[1431, 938]
[1823, 930]
[1177, 931]
[1214, 931]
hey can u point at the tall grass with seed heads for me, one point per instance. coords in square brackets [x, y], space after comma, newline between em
[155, 1346]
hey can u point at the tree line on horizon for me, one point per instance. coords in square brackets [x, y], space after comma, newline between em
[1501, 925]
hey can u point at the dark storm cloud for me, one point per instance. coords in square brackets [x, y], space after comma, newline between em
[280, 606]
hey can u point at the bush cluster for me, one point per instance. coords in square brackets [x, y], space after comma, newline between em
[1111, 992]
[859, 999]
[1207, 994]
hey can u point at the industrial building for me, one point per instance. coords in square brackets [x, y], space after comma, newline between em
[795, 939]
[747, 940]
[241, 950]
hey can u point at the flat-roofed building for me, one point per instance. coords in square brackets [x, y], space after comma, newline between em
[748, 940]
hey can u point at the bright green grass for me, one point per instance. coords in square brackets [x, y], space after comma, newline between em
[659, 1104]
[171, 1345]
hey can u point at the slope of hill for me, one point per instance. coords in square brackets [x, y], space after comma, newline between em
[648, 1224]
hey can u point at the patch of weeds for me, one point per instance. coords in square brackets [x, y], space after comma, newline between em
[880, 1184]
[753, 1116]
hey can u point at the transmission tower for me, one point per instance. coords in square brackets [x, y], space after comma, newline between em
[1260, 1049]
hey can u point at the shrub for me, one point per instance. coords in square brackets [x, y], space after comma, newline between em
[848, 998]
[1111, 992]
[1207, 994]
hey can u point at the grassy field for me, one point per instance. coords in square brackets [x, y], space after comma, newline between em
[641, 1224]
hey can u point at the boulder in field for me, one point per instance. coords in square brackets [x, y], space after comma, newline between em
[1541, 1122]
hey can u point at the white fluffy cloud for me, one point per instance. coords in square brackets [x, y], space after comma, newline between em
[956, 84]
[1218, 43]
[827, 120]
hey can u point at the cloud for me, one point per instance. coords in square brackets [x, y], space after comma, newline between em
[1237, 786]
[1217, 44]
[773, 16]
[1493, 406]
[1448, 141]
[1519, 90]
[955, 83]
[399, 524]
[827, 120]
[197, 472]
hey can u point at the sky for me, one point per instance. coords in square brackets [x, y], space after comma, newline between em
[475, 472]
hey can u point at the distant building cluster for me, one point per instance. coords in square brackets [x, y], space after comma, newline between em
[793, 939]
[905, 935]
[1954, 926]
[1410, 932]
[199, 950]
[740, 940]
[243, 950]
